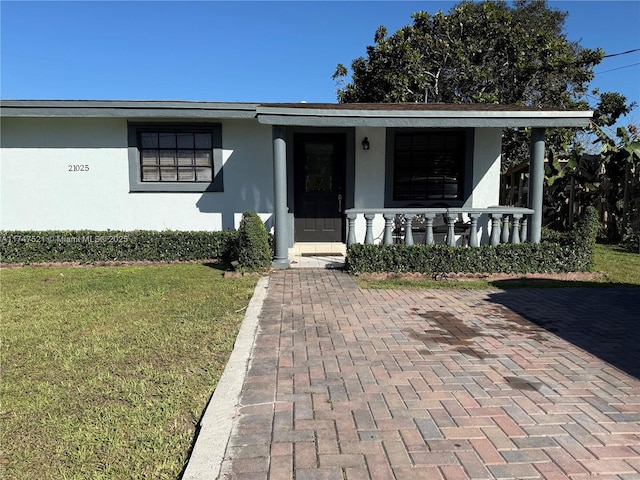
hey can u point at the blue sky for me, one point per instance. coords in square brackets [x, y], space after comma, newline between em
[241, 51]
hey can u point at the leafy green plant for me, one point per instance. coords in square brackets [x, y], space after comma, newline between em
[254, 253]
[610, 181]
[631, 238]
[619, 268]
[87, 246]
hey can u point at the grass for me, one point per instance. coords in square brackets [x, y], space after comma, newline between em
[620, 267]
[106, 370]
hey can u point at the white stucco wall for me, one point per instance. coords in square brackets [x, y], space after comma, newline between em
[486, 176]
[369, 178]
[39, 192]
[370, 172]
[486, 168]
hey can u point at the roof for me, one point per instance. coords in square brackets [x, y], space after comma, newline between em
[308, 114]
[415, 106]
[418, 115]
[126, 109]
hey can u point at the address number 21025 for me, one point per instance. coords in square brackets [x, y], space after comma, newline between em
[79, 168]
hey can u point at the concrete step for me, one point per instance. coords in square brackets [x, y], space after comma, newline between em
[317, 249]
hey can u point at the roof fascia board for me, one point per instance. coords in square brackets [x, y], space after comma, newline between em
[422, 122]
[273, 115]
[125, 109]
[506, 114]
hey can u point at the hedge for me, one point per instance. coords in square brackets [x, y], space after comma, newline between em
[87, 246]
[567, 252]
[254, 252]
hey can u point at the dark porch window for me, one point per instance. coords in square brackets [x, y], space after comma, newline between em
[429, 165]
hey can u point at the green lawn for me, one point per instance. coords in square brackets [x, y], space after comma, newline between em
[106, 370]
[620, 268]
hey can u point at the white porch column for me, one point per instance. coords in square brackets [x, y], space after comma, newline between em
[536, 183]
[281, 230]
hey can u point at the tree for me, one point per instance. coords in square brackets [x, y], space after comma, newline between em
[610, 108]
[608, 180]
[619, 193]
[480, 52]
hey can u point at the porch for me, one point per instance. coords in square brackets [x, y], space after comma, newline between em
[405, 173]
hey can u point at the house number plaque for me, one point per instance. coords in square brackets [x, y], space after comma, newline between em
[79, 168]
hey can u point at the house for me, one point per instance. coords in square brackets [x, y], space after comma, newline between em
[327, 173]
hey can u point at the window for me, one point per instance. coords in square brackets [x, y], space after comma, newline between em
[175, 158]
[429, 165]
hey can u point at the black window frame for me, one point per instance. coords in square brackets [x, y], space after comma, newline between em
[464, 164]
[136, 184]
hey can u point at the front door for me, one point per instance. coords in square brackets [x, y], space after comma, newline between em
[319, 171]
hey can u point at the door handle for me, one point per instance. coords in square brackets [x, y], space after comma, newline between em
[339, 202]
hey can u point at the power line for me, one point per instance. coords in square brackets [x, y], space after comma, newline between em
[619, 68]
[621, 53]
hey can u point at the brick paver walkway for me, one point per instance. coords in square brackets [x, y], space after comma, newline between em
[361, 384]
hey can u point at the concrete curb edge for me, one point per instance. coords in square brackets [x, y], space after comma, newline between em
[217, 421]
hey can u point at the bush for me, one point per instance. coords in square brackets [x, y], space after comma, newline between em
[568, 252]
[583, 236]
[87, 246]
[551, 235]
[631, 239]
[254, 253]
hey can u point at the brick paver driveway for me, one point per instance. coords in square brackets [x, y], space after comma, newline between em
[361, 384]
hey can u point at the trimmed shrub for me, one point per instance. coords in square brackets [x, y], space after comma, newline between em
[550, 235]
[570, 252]
[254, 253]
[87, 246]
[631, 239]
[583, 236]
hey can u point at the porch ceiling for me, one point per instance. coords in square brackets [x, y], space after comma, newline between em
[417, 115]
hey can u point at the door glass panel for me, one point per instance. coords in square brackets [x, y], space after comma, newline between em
[318, 174]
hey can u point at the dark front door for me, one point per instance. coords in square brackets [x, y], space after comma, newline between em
[319, 171]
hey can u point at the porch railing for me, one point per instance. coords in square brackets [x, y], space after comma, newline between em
[505, 224]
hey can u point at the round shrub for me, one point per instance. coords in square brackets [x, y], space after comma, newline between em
[254, 254]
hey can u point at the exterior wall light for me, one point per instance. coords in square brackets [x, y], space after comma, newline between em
[365, 143]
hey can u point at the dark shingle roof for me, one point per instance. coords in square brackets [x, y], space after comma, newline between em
[414, 107]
